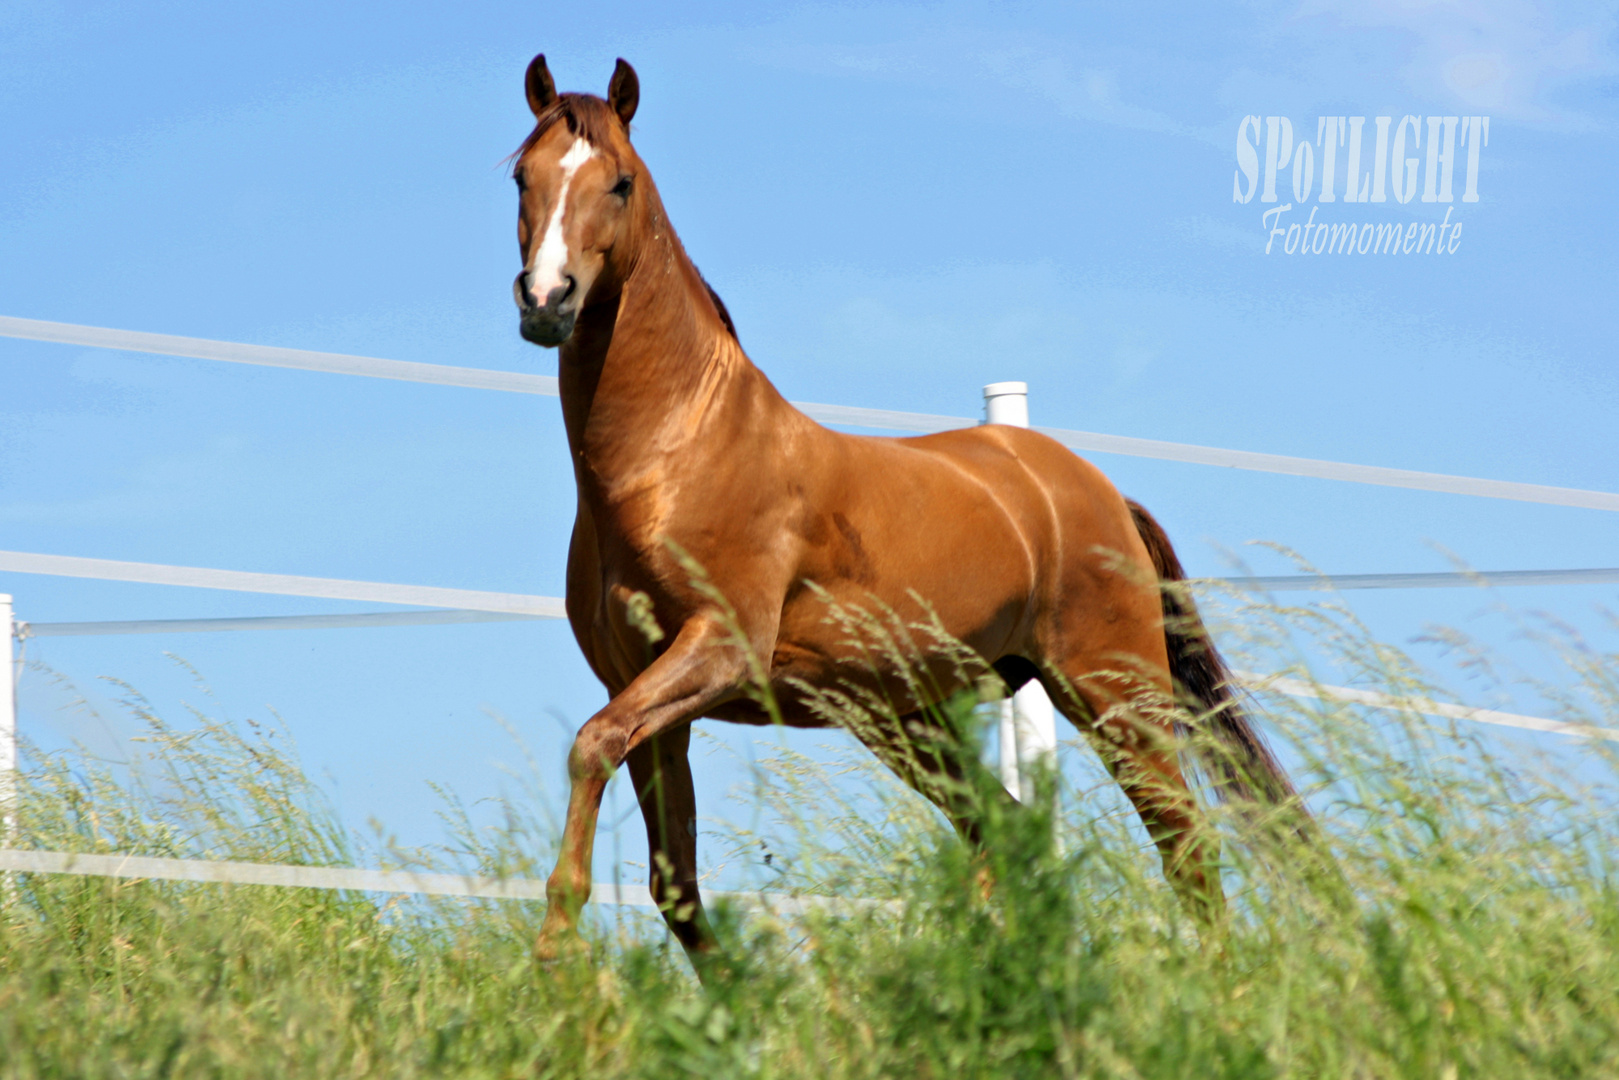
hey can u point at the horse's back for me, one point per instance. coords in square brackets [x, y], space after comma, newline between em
[1052, 496]
[991, 527]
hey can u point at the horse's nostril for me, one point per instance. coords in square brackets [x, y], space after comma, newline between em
[572, 284]
[525, 296]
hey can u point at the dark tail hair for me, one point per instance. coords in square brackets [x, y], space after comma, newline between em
[1242, 765]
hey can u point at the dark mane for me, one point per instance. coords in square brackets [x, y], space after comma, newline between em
[586, 115]
[719, 307]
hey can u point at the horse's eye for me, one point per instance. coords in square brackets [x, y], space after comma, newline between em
[521, 184]
[622, 188]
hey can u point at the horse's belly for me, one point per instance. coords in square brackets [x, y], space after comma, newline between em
[789, 710]
[918, 570]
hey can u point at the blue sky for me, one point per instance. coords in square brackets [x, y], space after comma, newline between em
[899, 204]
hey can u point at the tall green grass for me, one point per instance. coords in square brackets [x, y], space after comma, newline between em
[1468, 925]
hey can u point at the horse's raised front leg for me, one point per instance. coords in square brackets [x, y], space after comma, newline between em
[698, 672]
[662, 775]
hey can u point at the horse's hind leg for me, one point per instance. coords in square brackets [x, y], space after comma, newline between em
[661, 772]
[1118, 693]
[935, 762]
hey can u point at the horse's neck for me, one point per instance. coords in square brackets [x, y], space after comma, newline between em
[644, 374]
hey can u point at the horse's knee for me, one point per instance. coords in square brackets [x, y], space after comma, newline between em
[598, 750]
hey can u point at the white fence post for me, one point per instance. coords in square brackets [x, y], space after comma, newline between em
[8, 721]
[1028, 719]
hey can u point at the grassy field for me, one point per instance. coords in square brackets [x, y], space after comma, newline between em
[1469, 928]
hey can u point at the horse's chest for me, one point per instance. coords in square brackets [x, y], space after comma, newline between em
[634, 516]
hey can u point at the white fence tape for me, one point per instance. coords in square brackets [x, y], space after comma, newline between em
[1321, 692]
[22, 861]
[883, 419]
[21, 562]
[1334, 470]
[1481, 579]
[304, 877]
[358, 620]
[1090, 442]
[269, 356]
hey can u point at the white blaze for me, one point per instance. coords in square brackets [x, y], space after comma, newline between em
[551, 254]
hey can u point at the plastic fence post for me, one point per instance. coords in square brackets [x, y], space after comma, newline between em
[1028, 720]
[1010, 778]
[1008, 403]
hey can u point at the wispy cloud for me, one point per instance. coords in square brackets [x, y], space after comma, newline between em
[1506, 57]
[1077, 91]
[966, 59]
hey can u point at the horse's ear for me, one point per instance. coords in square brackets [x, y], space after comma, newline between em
[624, 92]
[538, 86]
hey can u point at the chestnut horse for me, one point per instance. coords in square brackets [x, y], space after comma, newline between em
[686, 456]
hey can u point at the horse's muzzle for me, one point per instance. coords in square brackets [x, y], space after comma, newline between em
[548, 324]
[546, 327]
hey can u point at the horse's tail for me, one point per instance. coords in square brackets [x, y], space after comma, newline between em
[1240, 763]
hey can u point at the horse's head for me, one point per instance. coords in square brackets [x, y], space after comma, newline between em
[578, 200]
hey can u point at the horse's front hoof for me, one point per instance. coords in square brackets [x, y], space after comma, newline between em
[555, 947]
